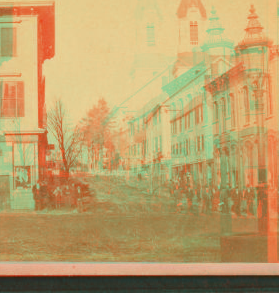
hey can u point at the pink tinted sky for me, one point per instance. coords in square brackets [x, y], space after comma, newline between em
[95, 45]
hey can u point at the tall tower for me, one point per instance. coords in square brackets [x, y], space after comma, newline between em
[192, 17]
[150, 56]
[148, 18]
[216, 46]
[215, 43]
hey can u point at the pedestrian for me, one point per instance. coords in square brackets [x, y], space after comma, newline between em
[262, 201]
[236, 201]
[58, 196]
[250, 196]
[215, 199]
[67, 196]
[36, 195]
[206, 199]
[190, 195]
[44, 195]
[224, 200]
[178, 195]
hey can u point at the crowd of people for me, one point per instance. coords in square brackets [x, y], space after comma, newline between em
[247, 202]
[48, 195]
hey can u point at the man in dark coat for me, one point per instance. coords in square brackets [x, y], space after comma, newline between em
[190, 195]
[236, 201]
[36, 190]
[225, 199]
[206, 199]
[250, 196]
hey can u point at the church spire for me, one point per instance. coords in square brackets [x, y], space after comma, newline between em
[186, 4]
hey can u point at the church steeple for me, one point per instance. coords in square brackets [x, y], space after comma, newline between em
[147, 16]
[186, 5]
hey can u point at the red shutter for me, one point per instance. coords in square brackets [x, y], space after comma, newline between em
[20, 99]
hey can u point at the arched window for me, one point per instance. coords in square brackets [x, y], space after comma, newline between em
[150, 34]
[269, 98]
[224, 114]
[216, 111]
[233, 116]
[246, 104]
[194, 39]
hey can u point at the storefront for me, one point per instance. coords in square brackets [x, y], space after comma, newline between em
[19, 171]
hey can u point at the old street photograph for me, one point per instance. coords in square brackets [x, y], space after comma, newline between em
[139, 131]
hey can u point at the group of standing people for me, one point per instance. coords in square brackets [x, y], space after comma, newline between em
[206, 199]
[49, 196]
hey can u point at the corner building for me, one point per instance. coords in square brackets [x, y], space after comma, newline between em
[26, 41]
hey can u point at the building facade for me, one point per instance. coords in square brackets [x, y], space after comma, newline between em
[27, 40]
[244, 119]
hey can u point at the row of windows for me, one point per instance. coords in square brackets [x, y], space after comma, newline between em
[184, 148]
[137, 125]
[194, 33]
[176, 125]
[228, 107]
[142, 148]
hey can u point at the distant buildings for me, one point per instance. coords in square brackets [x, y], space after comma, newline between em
[215, 115]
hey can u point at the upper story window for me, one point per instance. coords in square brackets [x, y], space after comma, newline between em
[233, 114]
[12, 98]
[246, 104]
[150, 34]
[8, 42]
[194, 40]
[269, 98]
[216, 117]
[223, 103]
[199, 114]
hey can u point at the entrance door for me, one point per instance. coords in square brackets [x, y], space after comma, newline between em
[4, 190]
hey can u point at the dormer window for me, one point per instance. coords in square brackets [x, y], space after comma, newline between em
[194, 40]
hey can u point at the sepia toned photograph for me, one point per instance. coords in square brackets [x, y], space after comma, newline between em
[139, 131]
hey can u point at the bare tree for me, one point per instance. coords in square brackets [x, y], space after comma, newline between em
[69, 138]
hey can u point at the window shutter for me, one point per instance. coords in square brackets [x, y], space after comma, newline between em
[20, 99]
[1, 96]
